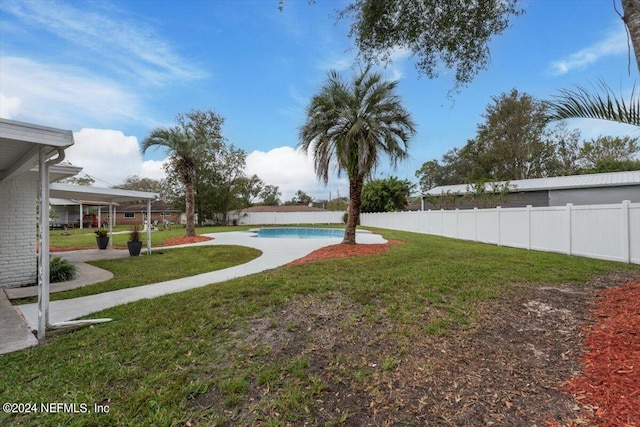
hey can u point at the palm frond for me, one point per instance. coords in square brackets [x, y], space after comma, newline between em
[600, 104]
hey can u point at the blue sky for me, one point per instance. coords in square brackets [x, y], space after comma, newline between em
[113, 70]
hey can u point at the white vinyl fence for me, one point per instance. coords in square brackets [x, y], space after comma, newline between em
[610, 232]
[262, 218]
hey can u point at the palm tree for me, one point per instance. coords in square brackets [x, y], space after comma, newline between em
[582, 103]
[183, 150]
[349, 127]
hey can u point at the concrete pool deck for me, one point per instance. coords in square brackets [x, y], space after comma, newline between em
[275, 253]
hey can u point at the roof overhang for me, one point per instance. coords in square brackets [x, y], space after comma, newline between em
[98, 194]
[20, 145]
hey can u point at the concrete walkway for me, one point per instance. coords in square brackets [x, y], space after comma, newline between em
[275, 252]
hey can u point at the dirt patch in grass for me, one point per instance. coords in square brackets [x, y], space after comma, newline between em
[361, 368]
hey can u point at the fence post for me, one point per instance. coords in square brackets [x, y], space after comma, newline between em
[569, 235]
[498, 209]
[529, 227]
[626, 232]
[475, 217]
[457, 223]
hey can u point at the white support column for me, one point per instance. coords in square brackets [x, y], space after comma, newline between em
[43, 251]
[149, 226]
[81, 215]
[110, 225]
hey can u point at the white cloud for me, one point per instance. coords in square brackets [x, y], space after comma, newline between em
[615, 43]
[109, 156]
[153, 169]
[292, 170]
[63, 96]
[9, 106]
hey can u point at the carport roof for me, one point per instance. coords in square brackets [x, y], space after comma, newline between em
[20, 145]
[98, 194]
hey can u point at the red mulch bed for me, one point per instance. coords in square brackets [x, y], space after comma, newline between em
[184, 240]
[346, 251]
[609, 385]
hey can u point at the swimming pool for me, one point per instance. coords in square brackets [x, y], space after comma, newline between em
[299, 232]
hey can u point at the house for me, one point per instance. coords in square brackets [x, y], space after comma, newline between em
[591, 189]
[31, 159]
[136, 214]
[66, 213]
[285, 214]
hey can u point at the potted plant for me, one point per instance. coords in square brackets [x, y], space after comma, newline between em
[102, 238]
[134, 244]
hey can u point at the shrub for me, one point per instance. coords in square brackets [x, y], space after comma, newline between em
[61, 270]
[134, 235]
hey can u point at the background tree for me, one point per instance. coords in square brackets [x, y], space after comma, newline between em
[221, 184]
[453, 33]
[609, 148]
[511, 143]
[270, 195]
[429, 175]
[566, 143]
[78, 180]
[337, 204]
[386, 195]
[352, 125]
[488, 195]
[198, 133]
[300, 198]
[136, 183]
[514, 142]
[250, 189]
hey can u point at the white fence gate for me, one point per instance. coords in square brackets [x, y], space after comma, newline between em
[610, 232]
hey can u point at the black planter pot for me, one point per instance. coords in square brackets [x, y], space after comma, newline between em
[102, 242]
[134, 248]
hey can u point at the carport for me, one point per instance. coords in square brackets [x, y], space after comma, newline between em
[34, 151]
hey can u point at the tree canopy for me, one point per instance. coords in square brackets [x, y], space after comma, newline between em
[516, 141]
[453, 33]
[385, 195]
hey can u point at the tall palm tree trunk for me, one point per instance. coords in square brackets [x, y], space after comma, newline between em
[355, 201]
[631, 10]
[190, 208]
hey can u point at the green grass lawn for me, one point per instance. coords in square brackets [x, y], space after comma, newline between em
[251, 351]
[160, 266]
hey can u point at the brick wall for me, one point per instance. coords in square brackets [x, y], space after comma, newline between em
[138, 218]
[18, 231]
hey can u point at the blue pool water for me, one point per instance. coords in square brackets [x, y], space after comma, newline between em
[299, 233]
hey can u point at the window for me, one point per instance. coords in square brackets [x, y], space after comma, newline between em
[129, 215]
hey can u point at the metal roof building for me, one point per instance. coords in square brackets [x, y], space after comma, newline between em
[591, 189]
